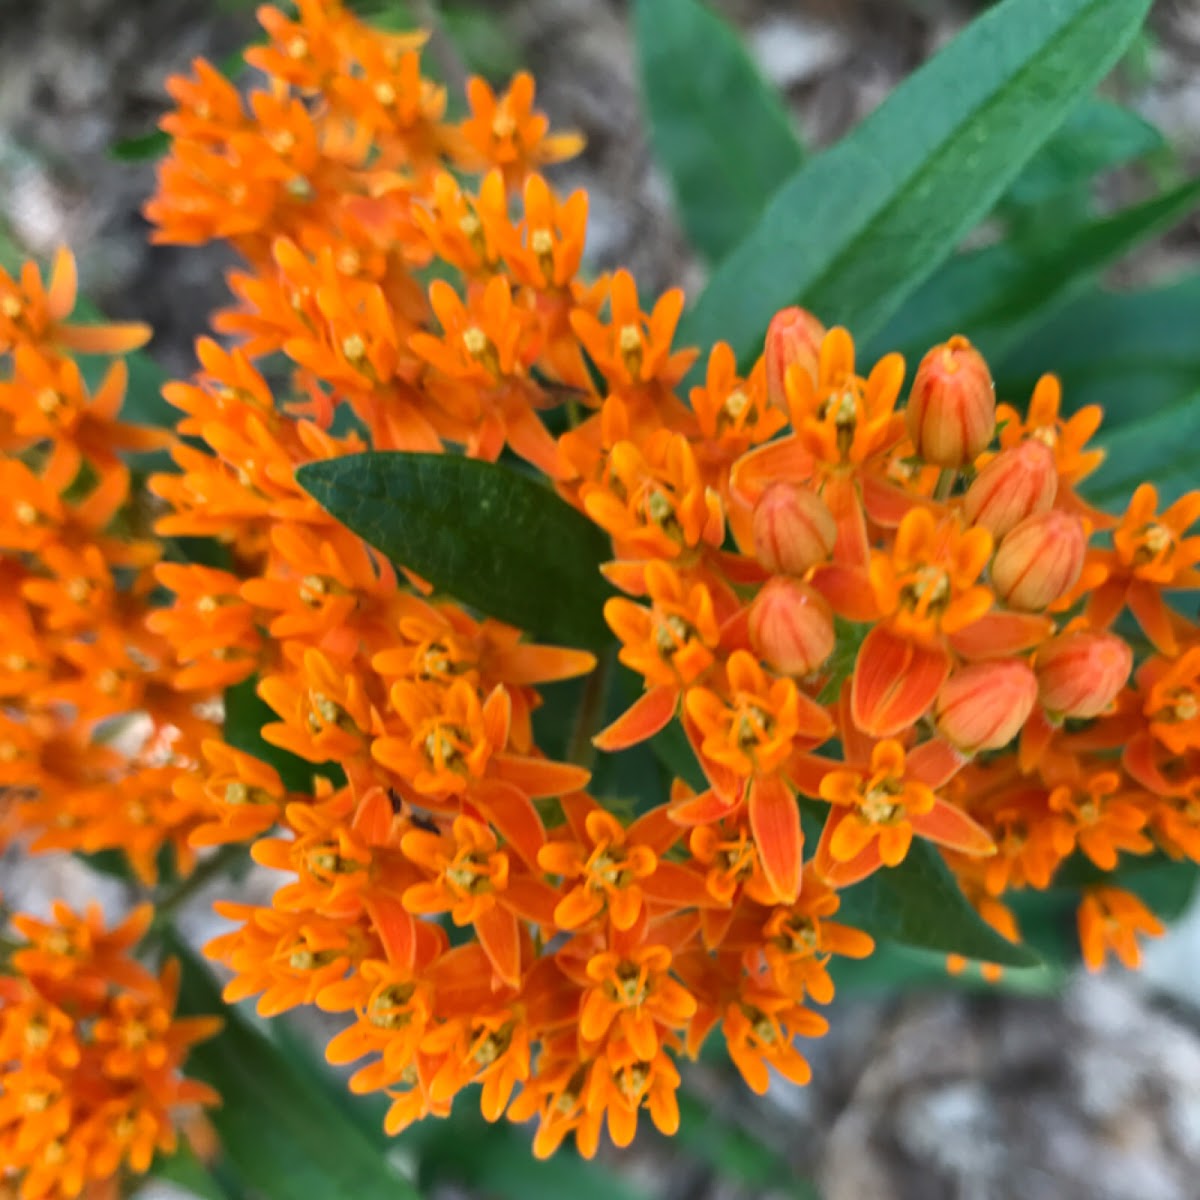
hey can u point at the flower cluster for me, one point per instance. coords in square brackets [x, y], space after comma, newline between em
[90, 1056]
[902, 621]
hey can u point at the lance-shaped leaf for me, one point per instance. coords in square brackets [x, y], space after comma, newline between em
[855, 230]
[1130, 352]
[720, 131]
[997, 295]
[919, 904]
[1159, 447]
[491, 538]
[280, 1133]
[1097, 136]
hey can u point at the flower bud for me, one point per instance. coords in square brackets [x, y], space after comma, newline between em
[1018, 483]
[791, 626]
[793, 529]
[951, 412]
[1079, 673]
[1039, 560]
[983, 706]
[793, 336]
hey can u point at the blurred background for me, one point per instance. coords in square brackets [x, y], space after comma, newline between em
[1084, 1088]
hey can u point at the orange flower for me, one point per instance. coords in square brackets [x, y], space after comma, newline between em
[474, 881]
[1106, 817]
[796, 943]
[633, 998]
[1172, 699]
[728, 850]
[759, 1030]
[927, 591]
[653, 500]
[621, 1082]
[245, 796]
[1151, 554]
[670, 645]
[1067, 437]
[733, 414]
[619, 870]
[290, 958]
[755, 729]
[843, 427]
[1110, 920]
[878, 811]
[33, 313]
[506, 132]
[90, 1058]
[635, 348]
[493, 1049]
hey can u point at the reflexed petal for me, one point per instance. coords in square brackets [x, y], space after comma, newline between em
[498, 935]
[648, 715]
[775, 823]
[895, 682]
[951, 827]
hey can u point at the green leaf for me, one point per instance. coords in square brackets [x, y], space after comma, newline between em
[919, 904]
[280, 1133]
[853, 232]
[892, 968]
[145, 145]
[1130, 352]
[1097, 136]
[1159, 448]
[734, 1151]
[997, 295]
[718, 128]
[186, 1171]
[497, 1161]
[245, 715]
[491, 538]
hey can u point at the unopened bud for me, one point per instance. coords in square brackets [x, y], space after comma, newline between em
[794, 336]
[791, 626]
[1080, 673]
[1018, 483]
[793, 529]
[951, 413]
[1039, 560]
[983, 706]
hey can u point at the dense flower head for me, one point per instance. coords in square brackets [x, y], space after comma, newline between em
[885, 608]
[90, 1056]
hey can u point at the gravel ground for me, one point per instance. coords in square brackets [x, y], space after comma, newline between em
[1093, 1095]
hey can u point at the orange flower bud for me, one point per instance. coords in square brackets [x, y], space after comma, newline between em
[1018, 483]
[1039, 560]
[983, 706]
[793, 336]
[951, 413]
[791, 626]
[793, 529]
[1080, 673]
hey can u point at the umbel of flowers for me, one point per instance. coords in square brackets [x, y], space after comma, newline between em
[867, 594]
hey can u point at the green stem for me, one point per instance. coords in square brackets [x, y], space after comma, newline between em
[945, 483]
[591, 710]
[442, 49]
[211, 868]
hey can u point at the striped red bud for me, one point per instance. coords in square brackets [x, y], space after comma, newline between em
[794, 337]
[791, 626]
[1079, 673]
[951, 412]
[1039, 560]
[793, 529]
[983, 706]
[1018, 483]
